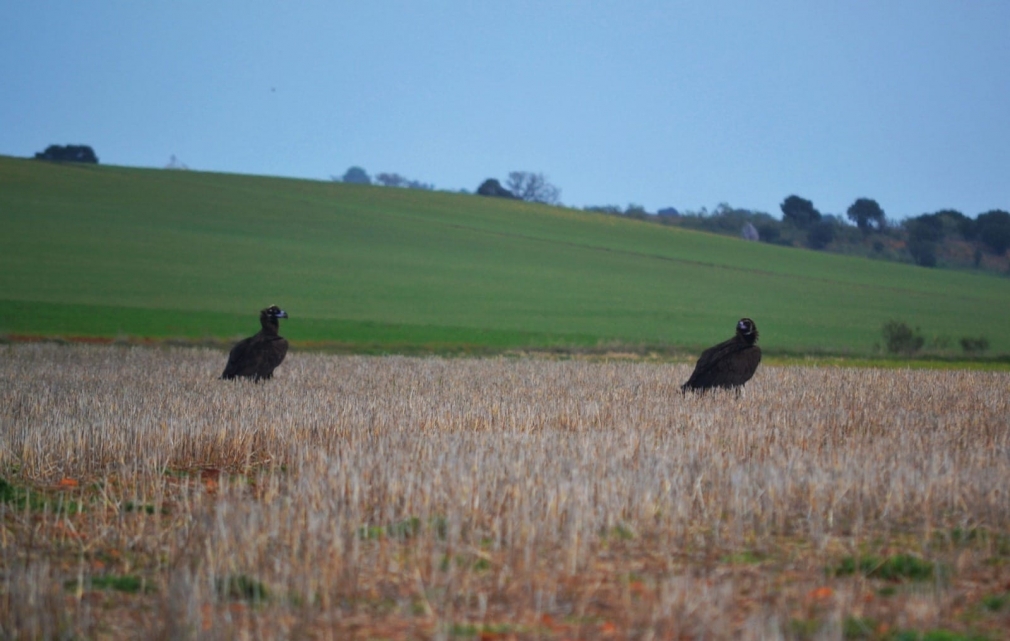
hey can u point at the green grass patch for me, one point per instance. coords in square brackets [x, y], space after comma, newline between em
[927, 360]
[12, 494]
[464, 562]
[481, 564]
[866, 628]
[30, 320]
[894, 568]
[996, 602]
[239, 587]
[128, 583]
[619, 532]
[804, 628]
[996, 543]
[405, 529]
[494, 630]
[117, 252]
[21, 497]
[142, 508]
[746, 557]
[859, 628]
[935, 635]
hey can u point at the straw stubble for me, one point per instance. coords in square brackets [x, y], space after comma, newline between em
[417, 495]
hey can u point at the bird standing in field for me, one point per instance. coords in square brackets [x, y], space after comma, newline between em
[729, 364]
[257, 356]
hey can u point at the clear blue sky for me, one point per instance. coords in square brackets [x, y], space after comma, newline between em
[684, 104]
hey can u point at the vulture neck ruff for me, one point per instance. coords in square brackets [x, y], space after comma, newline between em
[270, 324]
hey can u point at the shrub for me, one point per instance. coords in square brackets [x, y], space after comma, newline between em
[972, 345]
[899, 338]
[357, 175]
[923, 252]
[820, 235]
[68, 153]
[492, 188]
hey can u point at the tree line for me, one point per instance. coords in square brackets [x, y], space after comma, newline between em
[946, 237]
[358, 176]
[943, 238]
[520, 185]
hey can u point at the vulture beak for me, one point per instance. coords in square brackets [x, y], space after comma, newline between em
[281, 314]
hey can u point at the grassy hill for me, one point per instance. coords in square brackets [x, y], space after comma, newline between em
[112, 251]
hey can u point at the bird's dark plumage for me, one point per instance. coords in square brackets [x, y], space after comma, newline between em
[729, 364]
[257, 356]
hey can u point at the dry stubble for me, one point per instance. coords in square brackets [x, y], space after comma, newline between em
[397, 497]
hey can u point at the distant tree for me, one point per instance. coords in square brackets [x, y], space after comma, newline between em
[533, 187]
[356, 175]
[923, 252]
[68, 153]
[396, 180]
[820, 234]
[633, 210]
[924, 232]
[391, 180]
[636, 211]
[799, 211]
[867, 215]
[612, 210]
[728, 220]
[491, 187]
[955, 222]
[768, 231]
[964, 225]
[993, 229]
[668, 211]
[927, 228]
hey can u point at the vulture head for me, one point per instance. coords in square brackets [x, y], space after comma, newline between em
[269, 316]
[747, 330]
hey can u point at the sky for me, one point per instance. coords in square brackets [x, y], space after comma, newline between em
[657, 104]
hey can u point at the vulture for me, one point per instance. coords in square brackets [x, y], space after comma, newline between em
[257, 356]
[729, 364]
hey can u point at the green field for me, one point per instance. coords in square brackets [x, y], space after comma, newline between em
[122, 252]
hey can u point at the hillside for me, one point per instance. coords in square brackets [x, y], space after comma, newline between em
[112, 251]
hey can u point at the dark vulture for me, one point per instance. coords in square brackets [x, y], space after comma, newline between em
[257, 356]
[729, 364]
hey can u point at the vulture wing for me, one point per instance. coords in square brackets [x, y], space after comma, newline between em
[240, 359]
[271, 353]
[728, 364]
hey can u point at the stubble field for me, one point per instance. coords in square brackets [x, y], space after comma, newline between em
[393, 497]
